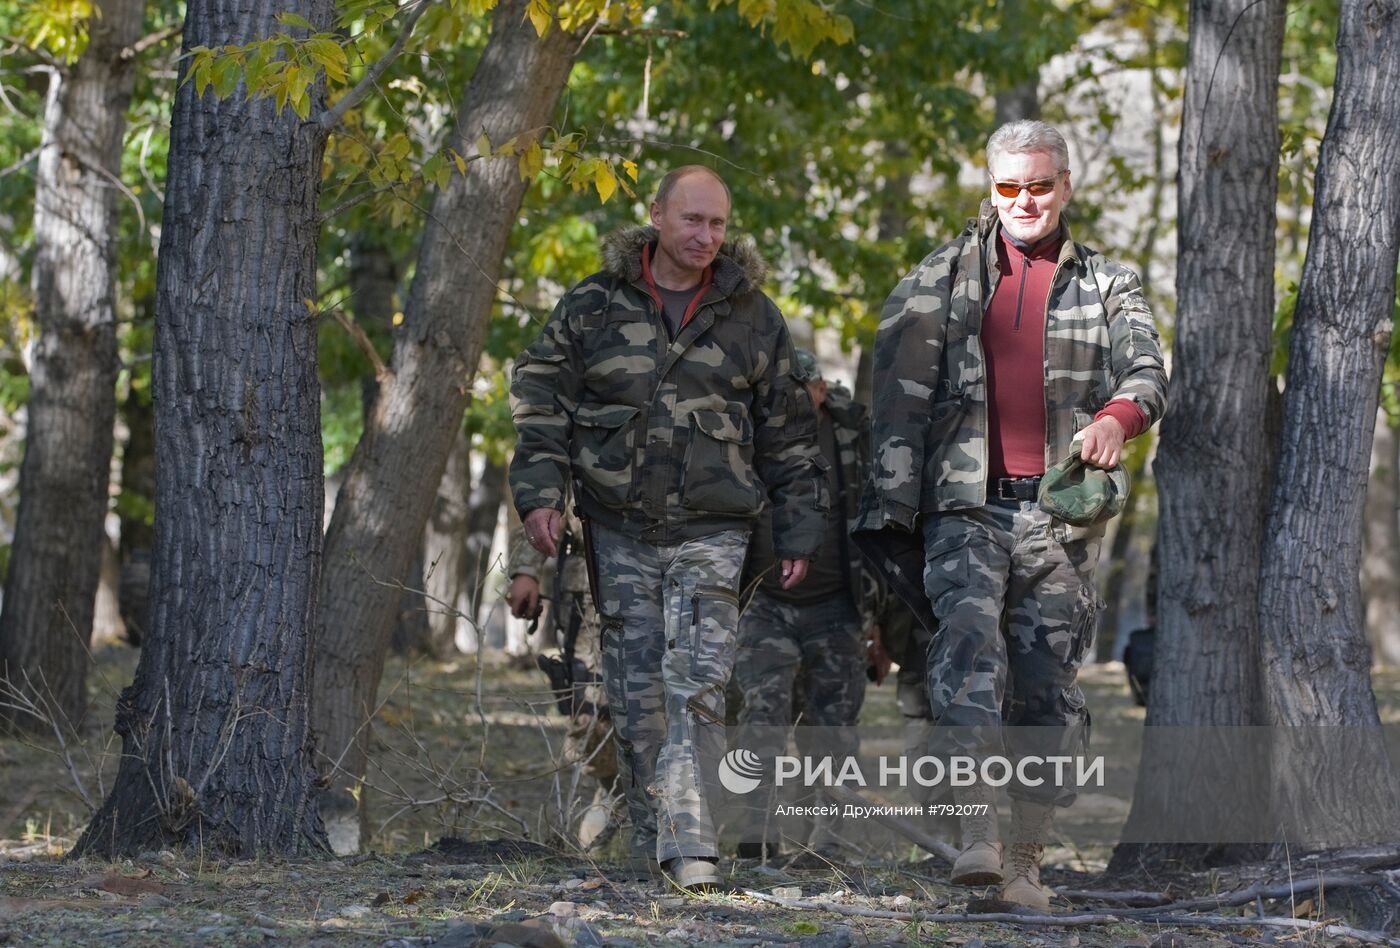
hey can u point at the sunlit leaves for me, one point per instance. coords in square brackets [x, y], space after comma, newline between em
[801, 25]
[58, 26]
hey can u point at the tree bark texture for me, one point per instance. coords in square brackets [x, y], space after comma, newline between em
[1316, 658]
[396, 467]
[56, 557]
[1213, 450]
[216, 747]
[1380, 564]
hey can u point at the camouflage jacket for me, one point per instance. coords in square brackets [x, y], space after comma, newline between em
[929, 419]
[851, 425]
[668, 440]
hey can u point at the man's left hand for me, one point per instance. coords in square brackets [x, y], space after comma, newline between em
[1103, 442]
[794, 571]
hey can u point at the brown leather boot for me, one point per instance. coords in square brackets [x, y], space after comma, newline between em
[1030, 830]
[980, 860]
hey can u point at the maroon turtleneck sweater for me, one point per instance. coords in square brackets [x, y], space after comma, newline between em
[1013, 341]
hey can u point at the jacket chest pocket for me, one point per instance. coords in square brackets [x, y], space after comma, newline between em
[603, 449]
[717, 475]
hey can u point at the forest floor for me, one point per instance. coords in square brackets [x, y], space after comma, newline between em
[498, 869]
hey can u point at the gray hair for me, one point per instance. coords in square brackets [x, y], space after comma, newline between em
[1028, 136]
[668, 183]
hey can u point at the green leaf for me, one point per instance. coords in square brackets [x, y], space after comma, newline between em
[294, 20]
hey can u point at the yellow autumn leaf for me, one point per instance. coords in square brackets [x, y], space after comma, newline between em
[539, 17]
[483, 146]
[398, 319]
[605, 181]
[631, 168]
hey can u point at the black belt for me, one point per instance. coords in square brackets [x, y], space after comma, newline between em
[1014, 488]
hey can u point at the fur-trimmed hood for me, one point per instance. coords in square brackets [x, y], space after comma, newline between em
[739, 267]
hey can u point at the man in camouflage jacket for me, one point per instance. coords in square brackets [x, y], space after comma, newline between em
[996, 356]
[802, 651]
[664, 386]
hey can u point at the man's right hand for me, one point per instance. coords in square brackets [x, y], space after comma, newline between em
[524, 596]
[543, 528]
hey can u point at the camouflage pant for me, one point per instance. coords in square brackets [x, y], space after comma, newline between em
[1016, 610]
[814, 653]
[670, 616]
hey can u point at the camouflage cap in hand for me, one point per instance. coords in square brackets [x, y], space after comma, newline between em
[1080, 493]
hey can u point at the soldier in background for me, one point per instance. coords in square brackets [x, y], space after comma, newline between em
[802, 651]
[664, 386]
[576, 674]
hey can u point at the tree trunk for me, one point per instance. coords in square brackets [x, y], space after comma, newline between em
[1380, 564]
[483, 513]
[1213, 452]
[216, 745]
[137, 533]
[1019, 97]
[56, 558]
[1316, 658]
[397, 466]
[107, 624]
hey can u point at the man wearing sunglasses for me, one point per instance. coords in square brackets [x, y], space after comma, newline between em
[999, 354]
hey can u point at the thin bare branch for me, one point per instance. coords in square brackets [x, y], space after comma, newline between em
[355, 201]
[331, 117]
[149, 40]
[381, 371]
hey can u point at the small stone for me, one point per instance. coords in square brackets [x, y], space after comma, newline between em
[571, 883]
[260, 894]
[167, 857]
[356, 911]
[788, 892]
[900, 902]
[564, 909]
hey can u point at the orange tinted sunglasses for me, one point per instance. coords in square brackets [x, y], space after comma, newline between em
[1012, 189]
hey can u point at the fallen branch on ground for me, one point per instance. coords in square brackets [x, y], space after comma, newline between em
[1086, 919]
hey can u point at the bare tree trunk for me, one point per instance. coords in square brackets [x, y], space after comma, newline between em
[397, 466]
[137, 533]
[107, 624]
[1380, 564]
[1317, 661]
[1019, 98]
[216, 747]
[1213, 452]
[56, 558]
[483, 513]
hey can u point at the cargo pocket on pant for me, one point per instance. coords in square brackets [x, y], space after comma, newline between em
[714, 624]
[1086, 626]
[718, 473]
[602, 449]
[945, 568]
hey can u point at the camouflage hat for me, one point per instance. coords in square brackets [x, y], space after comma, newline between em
[1080, 493]
[807, 368]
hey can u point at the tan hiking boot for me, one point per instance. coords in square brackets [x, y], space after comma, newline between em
[1030, 830]
[696, 875]
[980, 860]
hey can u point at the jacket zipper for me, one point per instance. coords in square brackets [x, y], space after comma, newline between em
[1021, 295]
